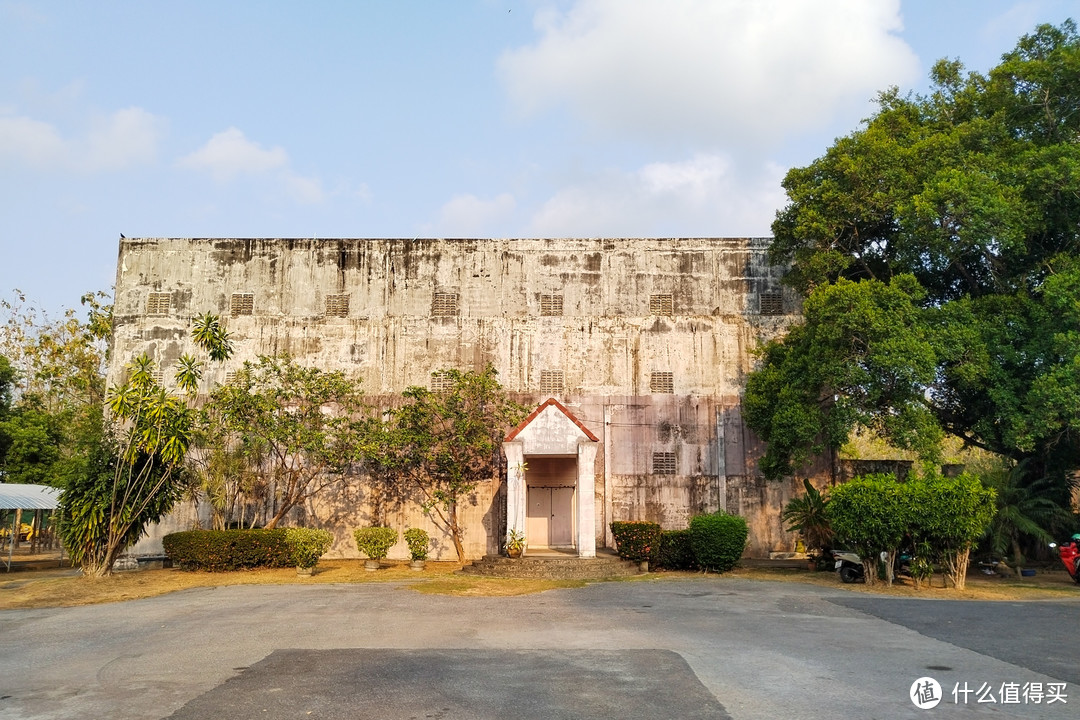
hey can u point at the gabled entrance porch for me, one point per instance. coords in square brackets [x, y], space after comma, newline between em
[550, 466]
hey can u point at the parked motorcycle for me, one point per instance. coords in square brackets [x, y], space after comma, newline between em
[850, 565]
[1069, 552]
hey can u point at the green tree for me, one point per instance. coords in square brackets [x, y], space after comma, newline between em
[870, 515]
[938, 253]
[948, 515]
[439, 446]
[1025, 514]
[304, 425]
[131, 474]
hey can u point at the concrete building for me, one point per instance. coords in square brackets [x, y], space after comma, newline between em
[633, 352]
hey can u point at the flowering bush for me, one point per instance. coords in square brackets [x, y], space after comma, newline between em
[636, 540]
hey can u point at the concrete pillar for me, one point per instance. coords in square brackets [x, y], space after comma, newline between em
[586, 506]
[516, 499]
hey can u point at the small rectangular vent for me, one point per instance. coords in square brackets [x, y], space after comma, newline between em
[230, 377]
[158, 303]
[444, 304]
[772, 303]
[441, 382]
[337, 306]
[661, 305]
[551, 381]
[551, 305]
[662, 382]
[663, 463]
[242, 304]
[158, 377]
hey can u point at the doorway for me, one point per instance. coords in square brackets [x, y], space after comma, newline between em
[550, 519]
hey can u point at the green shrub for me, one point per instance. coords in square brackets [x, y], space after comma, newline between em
[718, 540]
[307, 545]
[676, 552]
[417, 540]
[636, 540]
[218, 550]
[375, 542]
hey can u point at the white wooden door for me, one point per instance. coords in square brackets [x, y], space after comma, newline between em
[562, 517]
[538, 519]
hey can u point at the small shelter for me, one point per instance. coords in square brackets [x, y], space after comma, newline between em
[15, 496]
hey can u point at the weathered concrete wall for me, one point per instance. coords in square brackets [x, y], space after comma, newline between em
[652, 338]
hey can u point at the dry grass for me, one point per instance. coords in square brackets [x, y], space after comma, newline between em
[1047, 585]
[60, 588]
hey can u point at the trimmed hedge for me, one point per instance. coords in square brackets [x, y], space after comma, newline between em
[636, 540]
[219, 550]
[676, 552]
[307, 545]
[375, 542]
[718, 540]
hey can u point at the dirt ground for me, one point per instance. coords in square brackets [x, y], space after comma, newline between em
[41, 581]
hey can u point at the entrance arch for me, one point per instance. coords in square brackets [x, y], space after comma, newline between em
[550, 466]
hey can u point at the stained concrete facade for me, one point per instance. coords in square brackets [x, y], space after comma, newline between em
[645, 342]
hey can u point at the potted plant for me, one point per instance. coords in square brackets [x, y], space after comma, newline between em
[306, 546]
[375, 542]
[417, 540]
[515, 544]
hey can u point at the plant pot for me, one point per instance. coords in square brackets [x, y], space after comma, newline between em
[811, 565]
[417, 564]
[372, 565]
[1027, 573]
[305, 571]
[514, 552]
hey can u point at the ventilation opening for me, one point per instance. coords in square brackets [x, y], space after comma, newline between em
[158, 303]
[663, 463]
[551, 305]
[337, 306]
[551, 381]
[772, 303]
[441, 382]
[444, 304]
[242, 304]
[662, 382]
[661, 304]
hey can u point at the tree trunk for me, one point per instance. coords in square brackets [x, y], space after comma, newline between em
[870, 571]
[455, 532]
[1018, 557]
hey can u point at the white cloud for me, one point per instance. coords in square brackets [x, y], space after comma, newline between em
[127, 137]
[703, 196]
[468, 215]
[124, 139]
[229, 153]
[716, 71]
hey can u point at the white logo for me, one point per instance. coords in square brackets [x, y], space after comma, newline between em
[925, 693]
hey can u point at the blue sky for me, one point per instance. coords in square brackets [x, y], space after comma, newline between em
[473, 118]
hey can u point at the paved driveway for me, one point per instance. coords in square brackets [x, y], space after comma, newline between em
[710, 647]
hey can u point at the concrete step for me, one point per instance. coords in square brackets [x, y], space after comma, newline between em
[551, 567]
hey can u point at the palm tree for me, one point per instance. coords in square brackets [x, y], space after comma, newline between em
[806, 516]
[1026, 510]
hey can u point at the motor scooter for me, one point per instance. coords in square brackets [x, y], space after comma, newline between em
[1069, 552]
[850, 565]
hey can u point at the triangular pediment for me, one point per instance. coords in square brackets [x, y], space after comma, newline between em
[551, 429]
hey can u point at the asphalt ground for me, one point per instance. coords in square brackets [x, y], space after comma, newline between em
[712, 647]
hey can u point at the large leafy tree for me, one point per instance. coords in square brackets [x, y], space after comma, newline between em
[437, 447]
[299, 426]
[939, 254]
